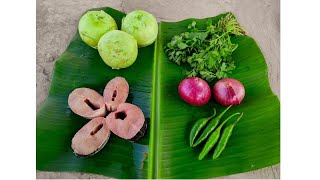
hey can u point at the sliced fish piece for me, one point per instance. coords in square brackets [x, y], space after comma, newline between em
[115, 93]
[91, 138]
[87, 103]
[127, 122]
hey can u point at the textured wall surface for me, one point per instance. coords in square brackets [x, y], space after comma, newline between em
[57, 22]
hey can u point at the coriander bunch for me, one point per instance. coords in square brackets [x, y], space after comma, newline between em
[208, 52]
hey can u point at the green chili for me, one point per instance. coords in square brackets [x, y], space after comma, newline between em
[213, 124]
[198, 126]
[213, 138]
[224, 139]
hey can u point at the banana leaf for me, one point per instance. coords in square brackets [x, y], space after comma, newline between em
[164, 151]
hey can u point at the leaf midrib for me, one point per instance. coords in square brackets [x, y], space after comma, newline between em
[155, 112]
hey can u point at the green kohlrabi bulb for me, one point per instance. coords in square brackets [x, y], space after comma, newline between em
[118, 49]
[142, 26]
[95, 24]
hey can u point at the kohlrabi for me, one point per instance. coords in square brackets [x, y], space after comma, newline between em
[142, 26]
[95, 24]
[118, 49]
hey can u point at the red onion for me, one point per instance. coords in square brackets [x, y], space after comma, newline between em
[195, 91]
[228, 91]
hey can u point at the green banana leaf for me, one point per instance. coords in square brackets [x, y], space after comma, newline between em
[164, 151]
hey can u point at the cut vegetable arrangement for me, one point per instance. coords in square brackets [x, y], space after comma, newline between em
[163, 151]
[123, 119]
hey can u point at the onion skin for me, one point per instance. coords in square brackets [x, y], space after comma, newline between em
[194, 91]
[228, 91]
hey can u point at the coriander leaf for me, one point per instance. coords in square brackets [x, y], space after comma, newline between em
[182, 45]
